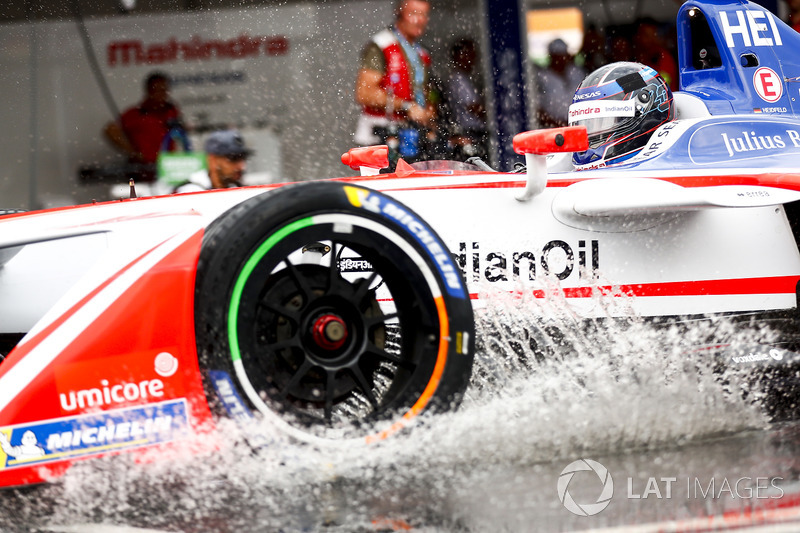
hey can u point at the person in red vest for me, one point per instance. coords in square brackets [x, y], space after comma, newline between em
[393, 76]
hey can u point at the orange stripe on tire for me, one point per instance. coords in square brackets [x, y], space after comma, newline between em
[436, 377]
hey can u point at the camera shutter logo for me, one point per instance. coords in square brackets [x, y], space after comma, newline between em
[585, 509]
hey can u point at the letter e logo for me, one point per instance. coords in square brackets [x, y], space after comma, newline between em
[768, 84]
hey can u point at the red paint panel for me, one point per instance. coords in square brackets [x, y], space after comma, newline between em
[140, 350]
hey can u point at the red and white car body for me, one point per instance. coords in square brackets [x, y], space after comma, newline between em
[97, 303]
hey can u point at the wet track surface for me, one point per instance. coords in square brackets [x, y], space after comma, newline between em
[493, 495]
[674, 447]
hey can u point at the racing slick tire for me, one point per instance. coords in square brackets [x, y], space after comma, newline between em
[332, 311]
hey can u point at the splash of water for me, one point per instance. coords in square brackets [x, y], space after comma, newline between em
[547, 385]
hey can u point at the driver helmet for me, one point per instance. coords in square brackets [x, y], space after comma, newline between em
[621, 105]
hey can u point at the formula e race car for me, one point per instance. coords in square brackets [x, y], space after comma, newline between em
[332, 310]
[127, 324]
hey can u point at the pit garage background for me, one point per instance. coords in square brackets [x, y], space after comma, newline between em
[67, 68]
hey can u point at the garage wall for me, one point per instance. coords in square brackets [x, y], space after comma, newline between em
[296, 108]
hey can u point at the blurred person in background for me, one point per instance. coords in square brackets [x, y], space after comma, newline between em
[392, 81]
[794, 14]
[465, 103]
[651, 50]
[140, 130]
[556, 85]
[226, 158]
[620, 47]
[593, 50]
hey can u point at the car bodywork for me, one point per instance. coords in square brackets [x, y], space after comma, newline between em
[97, 303]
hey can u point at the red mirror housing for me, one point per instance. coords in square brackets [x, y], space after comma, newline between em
[548, 141]
[369, 156]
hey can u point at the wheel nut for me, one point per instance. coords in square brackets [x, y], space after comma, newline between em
[329, 332]
[334, 331]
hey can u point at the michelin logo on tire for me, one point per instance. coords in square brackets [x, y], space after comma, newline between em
[585, 509]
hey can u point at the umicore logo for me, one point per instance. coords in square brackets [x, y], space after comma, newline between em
[585, 509]
[108, 394]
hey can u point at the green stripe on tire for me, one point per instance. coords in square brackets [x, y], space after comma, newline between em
[244, 275]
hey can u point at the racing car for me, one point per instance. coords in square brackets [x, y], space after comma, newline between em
[343, 310]
[131, 325]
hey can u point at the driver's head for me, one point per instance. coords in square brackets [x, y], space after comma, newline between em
[621, 105]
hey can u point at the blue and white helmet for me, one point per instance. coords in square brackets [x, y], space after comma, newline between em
[621, 105]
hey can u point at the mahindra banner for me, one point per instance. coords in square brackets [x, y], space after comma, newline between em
[134, 51]
[285, 75]
[240, 68]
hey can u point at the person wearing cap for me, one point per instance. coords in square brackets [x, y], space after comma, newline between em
[226, 158]
[556, 85]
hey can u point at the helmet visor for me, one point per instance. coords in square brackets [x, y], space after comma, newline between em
[601, 116]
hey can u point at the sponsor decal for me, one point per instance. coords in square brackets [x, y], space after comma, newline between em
[601, 109]
[444, 262]
[235, 407]
[132, 52]
[439, 253]
[555, 258]
[724, 142]
[106, 394]
[166, 364]
[768, 84]
[662, 139]
[750, 142]
[592, 166]
[576, 113]
[87, 386]
[750, 28]
[353, 264]
[773, 354]
[229, 397]
[584, 96]
[92, 434]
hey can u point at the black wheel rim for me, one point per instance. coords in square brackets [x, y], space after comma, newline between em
[329, 347]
